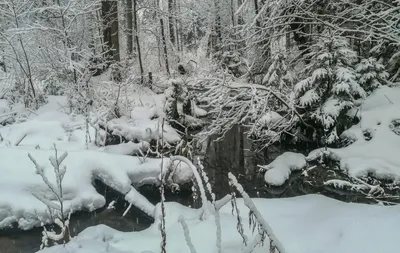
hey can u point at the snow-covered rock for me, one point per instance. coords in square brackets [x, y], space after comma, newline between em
[280, 169]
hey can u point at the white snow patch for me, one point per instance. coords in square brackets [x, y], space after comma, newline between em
[17, 204]
[271, 118]
[280, 169]
[129, 148]
[147, 113]
[4, 106]
[52, 125]
[306, 224]
[144, 130]
[199, 112]
[380, 155]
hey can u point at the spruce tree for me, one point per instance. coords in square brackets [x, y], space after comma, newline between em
[371, 74]
[278, 74]
[330, 87]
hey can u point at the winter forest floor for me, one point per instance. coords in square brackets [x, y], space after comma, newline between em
[209, 126]
[310, 223]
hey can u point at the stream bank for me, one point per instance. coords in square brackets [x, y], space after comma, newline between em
[232, 154]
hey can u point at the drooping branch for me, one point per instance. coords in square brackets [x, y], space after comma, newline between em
[274, 241]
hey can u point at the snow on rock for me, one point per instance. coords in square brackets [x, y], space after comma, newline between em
[306, 224]
[280, 169]
[378, 156]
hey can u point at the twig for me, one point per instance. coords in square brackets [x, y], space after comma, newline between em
[187, 234]
[20, 140]
[275, 243]
[388, 99]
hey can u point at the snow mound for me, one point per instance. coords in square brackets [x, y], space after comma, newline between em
[51, 125]
[147, 113]
[128, 148]
[280, 169]
[306, 224]
[143, 130]
[17, 204]
[379, 154]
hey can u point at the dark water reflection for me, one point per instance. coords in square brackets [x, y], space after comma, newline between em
[232, 154]
[14, 240]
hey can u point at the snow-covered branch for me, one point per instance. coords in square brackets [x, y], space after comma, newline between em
[274, 241]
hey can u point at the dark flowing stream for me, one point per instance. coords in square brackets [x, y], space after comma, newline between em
[232, 154]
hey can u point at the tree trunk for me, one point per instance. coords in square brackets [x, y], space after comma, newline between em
[129, 20]
[109, 10]
[137, 41]
[240, 20]
[171, 21]
[218, 21]
[3, 63]
[164, 45]
[257, 10]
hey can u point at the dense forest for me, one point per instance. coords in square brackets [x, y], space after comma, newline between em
[131, 94]
[311, 60]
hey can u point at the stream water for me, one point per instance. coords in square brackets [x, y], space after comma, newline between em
[231, 154]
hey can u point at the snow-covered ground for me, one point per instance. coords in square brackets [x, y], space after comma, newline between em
[379, 155]
[35, 133]
[376, 147]
[307, 224]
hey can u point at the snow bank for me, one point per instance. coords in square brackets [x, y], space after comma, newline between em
[52, 125]
[128, 148]
[280, 169]
[19, 181]
[143, 130]
[147, 113]
[307, 224]
[378, 156]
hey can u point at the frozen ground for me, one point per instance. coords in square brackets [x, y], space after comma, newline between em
[36, 132]
[375, 150]
[307, 224]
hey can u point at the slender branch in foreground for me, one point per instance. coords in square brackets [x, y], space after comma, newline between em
[275, 243]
